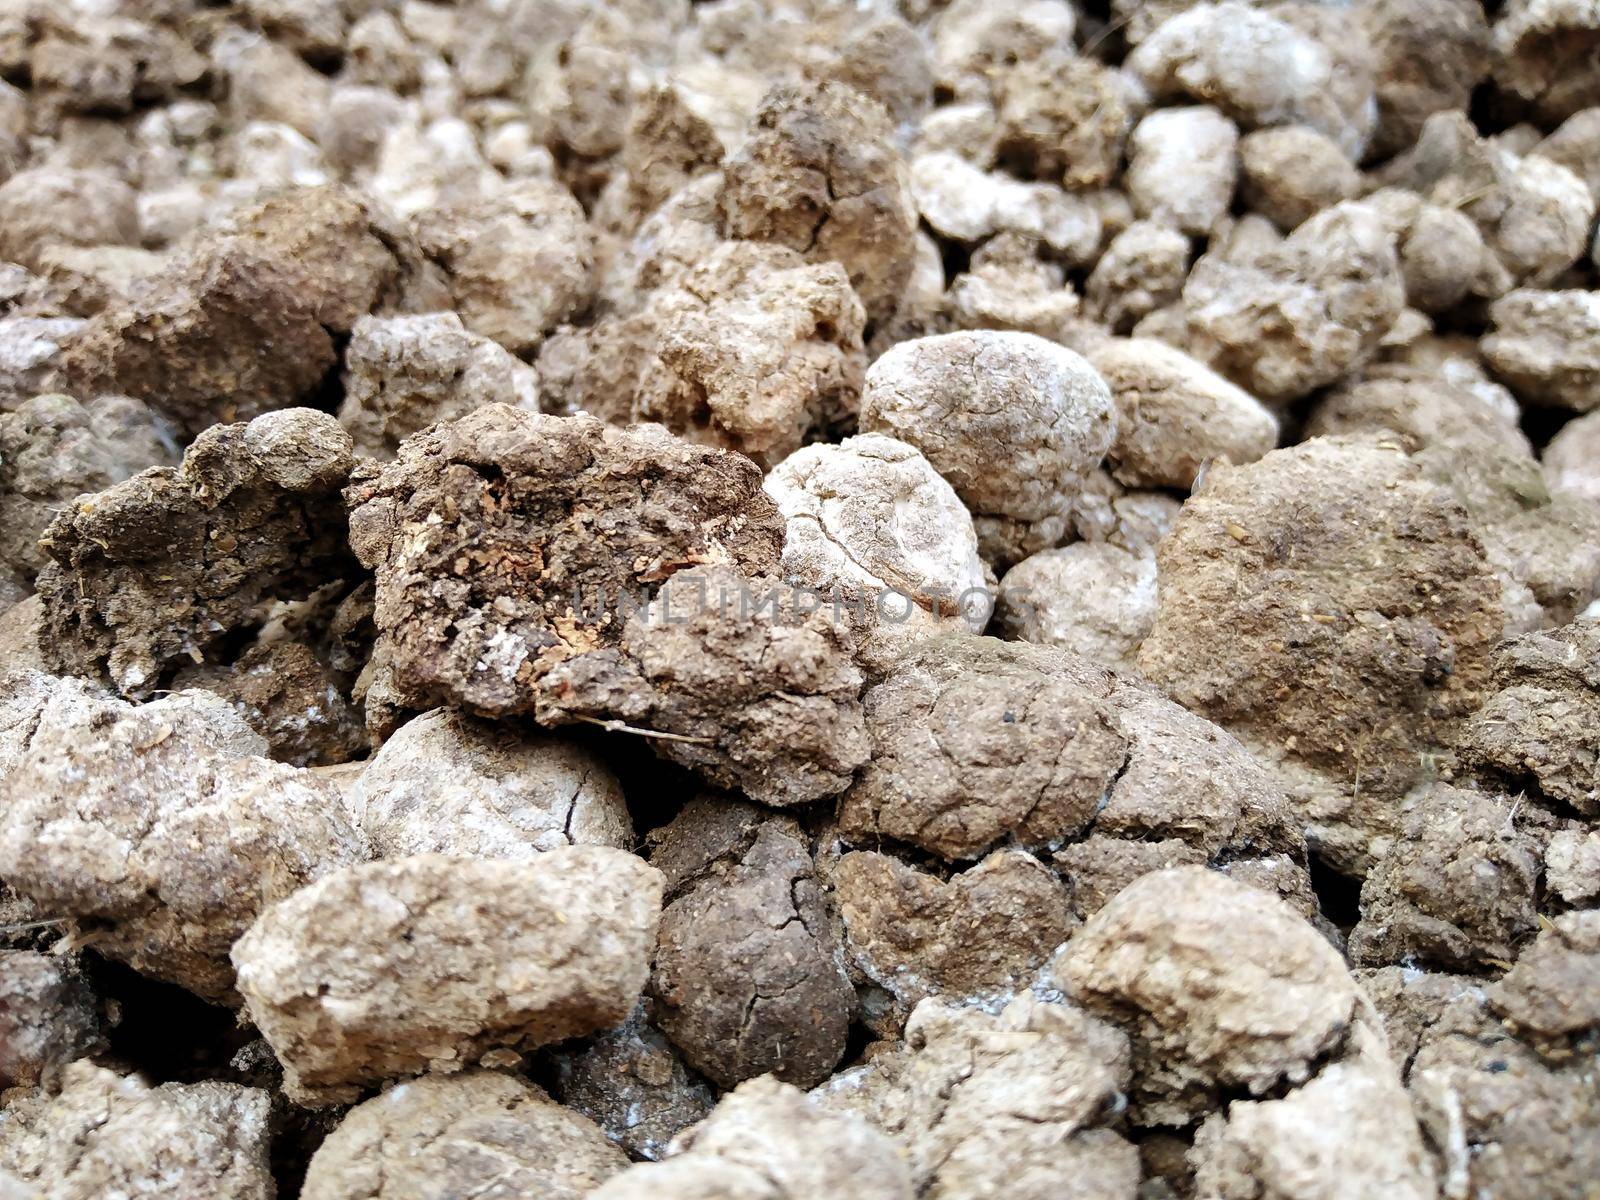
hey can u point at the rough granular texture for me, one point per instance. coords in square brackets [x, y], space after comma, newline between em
[432, 963]
[1263, 66]
[30, 356]
[1218, 984]
[445, 783]
[1350, 1131]
[49, 1016]
[1572, 866]
[288, 693]
[111, 1135]
[1303, 312]
[1455, 891]
[753, 349]
[1189, 780]
[24, 695]
[1022, 1102]
[1539, 727]
[966, 204]
[1444, 258]
[49, 207]
[769, 1141]
[1549, 995]
[1534, 213]
[246, 319]
[1183, 164]
[1092, 598]
[1543, 544]
[1500, 1117]
[976, 740]
[1543, 346]
[819, 174]
[979, 935]
[1545, 55]
[1428, 55]
[506, 543]
[746, 681]
[1012, 421]
[452, 1137]
[633, 1083]
[53, 448]
[157, 569]
[613, 427]
[1291, 173]
[517, 262]
[102, 61]
[402, 374]
[1333, 608]
[1128, 781]
[158, 828]
[1425, 406]
[1141, 270]
[1063, 117]
[1010, 286]
[747, 978]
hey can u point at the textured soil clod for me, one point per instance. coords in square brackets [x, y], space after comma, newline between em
[793, 599]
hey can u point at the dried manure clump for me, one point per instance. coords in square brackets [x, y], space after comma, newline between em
[163, 828]
[104, 1134]
[747, 979]
[504, 545]
[248, 317]
[464, 957]
[896, 582]
[791, 599]
[1013, 422]
[445, 783]
[458, 1136]
[1022, 1100]
[156, 570]
[1345, 630]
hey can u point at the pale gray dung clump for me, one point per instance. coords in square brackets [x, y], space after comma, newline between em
[779, 599]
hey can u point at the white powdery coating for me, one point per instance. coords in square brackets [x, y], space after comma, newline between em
[520, 259]
[1546, 346]
[162, 823]
[1572, 866]
[769, 1141]
[1572, 459]
[1301, 313]
[404, 373]
[23, 696]
[1216, 975]
[1183, 164]
[1093, 598]
[447, 784]
[433, 962]
[967, 204]
[1350, 1131]
[29, 350]
[455, 1137]
[871, 516]
[1255, 66]
[107, 1135]
[1013, 421]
